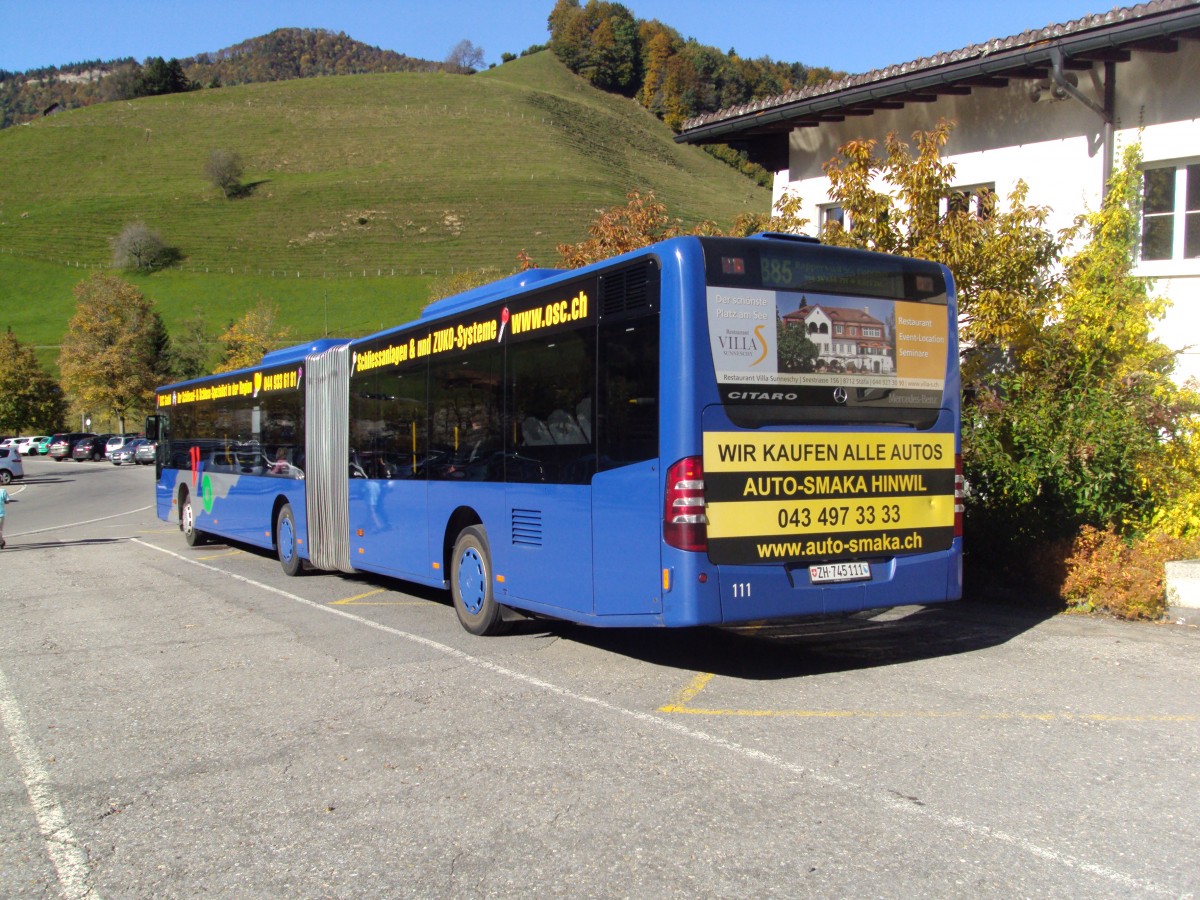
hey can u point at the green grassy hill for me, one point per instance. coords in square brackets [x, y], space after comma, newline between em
[363, 187]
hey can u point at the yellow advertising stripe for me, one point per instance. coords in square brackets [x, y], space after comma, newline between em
[821, 451]
[833, 516]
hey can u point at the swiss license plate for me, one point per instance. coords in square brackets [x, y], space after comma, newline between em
[831, 572]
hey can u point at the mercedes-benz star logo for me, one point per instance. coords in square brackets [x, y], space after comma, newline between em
[839, 395]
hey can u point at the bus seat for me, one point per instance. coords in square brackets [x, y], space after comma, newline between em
[564, 429]
[535, 432]
[583, 414]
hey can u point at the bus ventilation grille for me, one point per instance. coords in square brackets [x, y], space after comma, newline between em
[527, 527]
[627, 290]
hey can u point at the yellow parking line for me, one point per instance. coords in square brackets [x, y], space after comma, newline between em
[679, 705]
[357, 599]
[224, 555]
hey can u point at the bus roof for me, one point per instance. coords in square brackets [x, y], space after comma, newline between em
[490, 291]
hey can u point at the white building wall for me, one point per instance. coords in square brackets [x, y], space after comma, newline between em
[1002, 136]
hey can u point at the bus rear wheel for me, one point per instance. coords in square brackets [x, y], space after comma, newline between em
[471, 584]
[285, 541]
[187, 523]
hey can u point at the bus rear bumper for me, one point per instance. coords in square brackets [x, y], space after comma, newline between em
[750, 593]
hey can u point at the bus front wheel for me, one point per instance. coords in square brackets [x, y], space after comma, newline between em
[471, 584]
[187, 523]
[285, 541]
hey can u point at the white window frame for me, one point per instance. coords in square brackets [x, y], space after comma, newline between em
[827, 212]
[973, 194]
[1177, 263]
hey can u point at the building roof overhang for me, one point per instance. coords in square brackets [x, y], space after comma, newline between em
[1158, 27]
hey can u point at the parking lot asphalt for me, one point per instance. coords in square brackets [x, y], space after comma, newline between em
[188, 722]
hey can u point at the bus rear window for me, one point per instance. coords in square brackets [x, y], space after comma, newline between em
[807, 333]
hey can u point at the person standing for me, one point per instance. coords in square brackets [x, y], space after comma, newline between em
[3, 502]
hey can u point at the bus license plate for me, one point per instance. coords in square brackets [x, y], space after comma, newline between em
[831, 572]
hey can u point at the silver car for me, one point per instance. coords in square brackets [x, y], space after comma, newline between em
[144, 455]
[125, 453]
[10, 465]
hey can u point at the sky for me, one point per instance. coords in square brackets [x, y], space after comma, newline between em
[850, 35]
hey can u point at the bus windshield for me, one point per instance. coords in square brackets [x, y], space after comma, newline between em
[804, 333]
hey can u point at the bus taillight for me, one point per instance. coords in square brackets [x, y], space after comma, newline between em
[685, 525]
[959, 495]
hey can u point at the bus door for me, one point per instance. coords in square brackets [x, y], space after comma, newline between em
[548, 467]
[626, 493]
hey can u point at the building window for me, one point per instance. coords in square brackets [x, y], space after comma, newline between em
[979, 199]
[1171, 212]
[833, 214]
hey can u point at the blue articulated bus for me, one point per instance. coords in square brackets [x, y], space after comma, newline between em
[704, 431]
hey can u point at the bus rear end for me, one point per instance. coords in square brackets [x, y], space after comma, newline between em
[827, 474]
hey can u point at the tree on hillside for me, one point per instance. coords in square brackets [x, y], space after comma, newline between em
[598, 41]
[140, 247]
[31, 402]
[224, 170]
[673, 77]
[256, 333]
[161, 77]
[191, 349]
[464, 58]
[115, 351]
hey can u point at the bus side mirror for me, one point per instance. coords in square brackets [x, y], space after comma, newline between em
[152, 427]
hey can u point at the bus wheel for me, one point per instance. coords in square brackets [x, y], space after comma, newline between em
[471, 584]
[187, 523]
[285, 541]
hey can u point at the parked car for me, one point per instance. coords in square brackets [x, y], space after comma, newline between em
[62, 446]
[125, 453]
[146, 452]
[43, 446]
[116, 442]
[91, 448]
[31, 446]
[10, 465]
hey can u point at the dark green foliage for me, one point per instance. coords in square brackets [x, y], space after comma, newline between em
[192, 349]
[797, 352]
[739, 161]
[159, 77]
[672, 77]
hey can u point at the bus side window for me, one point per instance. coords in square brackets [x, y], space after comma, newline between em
[548, 380]
[627, 415]
[464, 416]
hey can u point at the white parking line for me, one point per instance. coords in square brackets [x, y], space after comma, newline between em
[85, 522]
[900, 804]
[70, 860]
